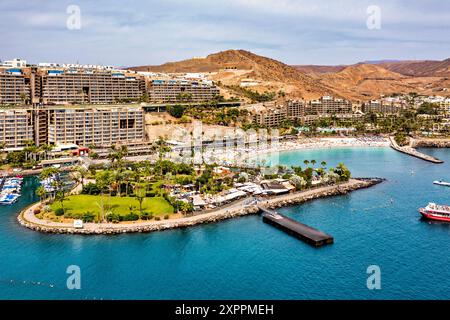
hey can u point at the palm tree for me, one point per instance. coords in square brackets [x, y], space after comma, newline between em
[41, 192]
[2, 148]
[82, 171]
[30, 149]
[118, 178]
[140, 192]
[46, 148]
[313, 162]
[306, 162]
[323, 164]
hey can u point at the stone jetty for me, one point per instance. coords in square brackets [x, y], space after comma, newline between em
[409, 150]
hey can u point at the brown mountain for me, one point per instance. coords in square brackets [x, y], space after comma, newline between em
[318, 70]
[420, 68]
[356, 82]
[363, 81]
[233, 66]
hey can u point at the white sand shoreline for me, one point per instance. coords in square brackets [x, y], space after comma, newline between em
[228, 157]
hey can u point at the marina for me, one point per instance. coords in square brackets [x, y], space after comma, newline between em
[10, 190]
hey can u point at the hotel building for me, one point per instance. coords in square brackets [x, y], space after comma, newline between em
[295, 109]
[16, 127]
[15, 86]
[62, 86]
[100, 126]
[378, 106]
[270, 117]
[165, 91]
[328, 105]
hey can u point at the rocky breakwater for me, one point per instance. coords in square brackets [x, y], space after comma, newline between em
[413, 152]
[322, 192]
[430, 143]
[28, 219]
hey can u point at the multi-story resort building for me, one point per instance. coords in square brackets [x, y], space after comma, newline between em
[61, 86]
[328, 105]
[295, 109]
[377, 106]
[268, 114]
[16, 128]
[305, 112]
[99, 126]
[165, 91]
[15, 86]
[442, 102]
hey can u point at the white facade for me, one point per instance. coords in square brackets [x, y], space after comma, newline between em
[15, 63]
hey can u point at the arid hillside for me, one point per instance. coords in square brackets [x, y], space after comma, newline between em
[361, 81]
[426, 68]
[232, 66]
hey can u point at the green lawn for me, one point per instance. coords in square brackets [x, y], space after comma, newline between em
[119, 205]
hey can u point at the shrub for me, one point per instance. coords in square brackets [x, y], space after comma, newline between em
[37, 211]
[88, 216]
[59, 212]
[166, 217]
[73, 215]
[90, 188]
[131, 217]
[157, 218]
[151, 194]
[146, 216]
[113, 217]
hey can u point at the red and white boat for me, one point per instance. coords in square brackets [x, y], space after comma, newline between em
[436, 212]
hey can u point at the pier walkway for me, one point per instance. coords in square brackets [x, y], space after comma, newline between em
[413, 152]
[299, 230]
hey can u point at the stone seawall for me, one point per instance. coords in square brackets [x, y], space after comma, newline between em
[27, 218]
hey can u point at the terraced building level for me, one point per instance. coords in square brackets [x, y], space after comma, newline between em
[92, 125]
[83, 86]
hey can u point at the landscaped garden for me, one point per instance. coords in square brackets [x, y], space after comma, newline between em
[113, 208]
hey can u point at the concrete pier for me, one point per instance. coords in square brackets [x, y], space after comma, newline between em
[299, 230]
[413, 152]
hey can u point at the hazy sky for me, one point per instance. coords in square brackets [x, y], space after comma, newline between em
[128, 33]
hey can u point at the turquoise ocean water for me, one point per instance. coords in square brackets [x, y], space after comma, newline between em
[244, 258]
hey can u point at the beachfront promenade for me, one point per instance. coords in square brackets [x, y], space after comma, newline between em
[235, 209]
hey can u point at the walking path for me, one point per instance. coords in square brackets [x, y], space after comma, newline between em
[28, 219]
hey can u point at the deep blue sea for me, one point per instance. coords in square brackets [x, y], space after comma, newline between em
[244, 258]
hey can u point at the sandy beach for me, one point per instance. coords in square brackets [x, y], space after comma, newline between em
[247, 155]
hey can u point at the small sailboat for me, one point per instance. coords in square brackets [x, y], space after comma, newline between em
[442, 183]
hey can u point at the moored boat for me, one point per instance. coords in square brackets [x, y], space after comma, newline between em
[436, 212]
[442, 183]
[10, 190]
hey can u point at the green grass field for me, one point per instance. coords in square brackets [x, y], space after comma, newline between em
[119, 205]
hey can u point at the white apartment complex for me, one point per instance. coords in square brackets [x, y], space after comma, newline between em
[100, 126]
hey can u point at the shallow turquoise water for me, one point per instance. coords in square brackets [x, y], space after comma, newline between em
[245, 258]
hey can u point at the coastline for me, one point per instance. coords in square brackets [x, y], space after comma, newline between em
[27, 218]
[230, 157]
